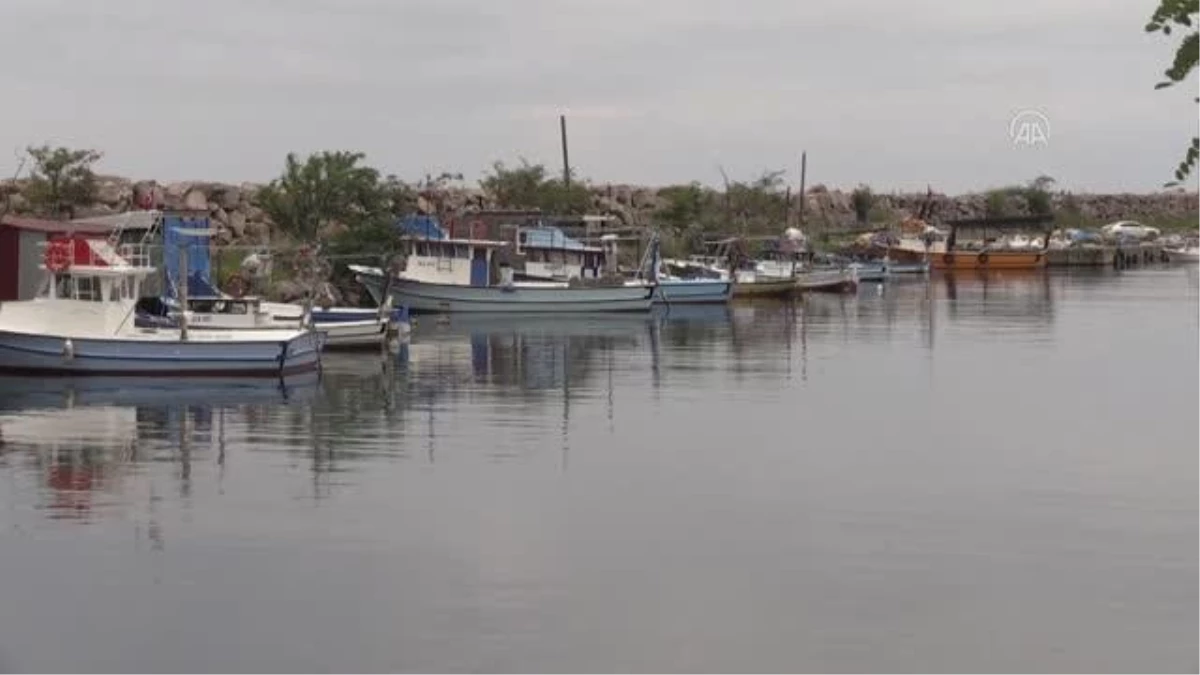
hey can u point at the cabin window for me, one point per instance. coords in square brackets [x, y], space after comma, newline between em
[461, 251]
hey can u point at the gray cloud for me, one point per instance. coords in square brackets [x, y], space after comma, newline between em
[895, 94]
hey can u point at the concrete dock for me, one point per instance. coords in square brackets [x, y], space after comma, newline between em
[1106, 256]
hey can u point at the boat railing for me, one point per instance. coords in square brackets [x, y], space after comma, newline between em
[135, 255]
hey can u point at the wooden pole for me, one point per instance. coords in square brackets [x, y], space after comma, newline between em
[803, 174]
[562, 127]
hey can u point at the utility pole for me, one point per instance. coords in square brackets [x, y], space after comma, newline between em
[803, 171]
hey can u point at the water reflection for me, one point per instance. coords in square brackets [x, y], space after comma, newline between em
[534, 493]
[526, 373]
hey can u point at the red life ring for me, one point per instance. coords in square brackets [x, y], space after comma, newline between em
[58, 256]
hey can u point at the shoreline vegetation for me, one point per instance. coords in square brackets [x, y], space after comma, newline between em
[338, 200]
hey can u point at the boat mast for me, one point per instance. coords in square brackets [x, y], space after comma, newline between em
[183, 292]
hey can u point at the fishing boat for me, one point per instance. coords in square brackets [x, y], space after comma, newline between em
[676, 289]
[445, 275]
[992, 255]
[892, 268]
[843, 280]
[773, 275]
[187, 261]
[82, 323]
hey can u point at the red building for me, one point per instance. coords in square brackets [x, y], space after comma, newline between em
[22, 246]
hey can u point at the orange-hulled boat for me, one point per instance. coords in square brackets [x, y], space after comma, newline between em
[990, 257]
[987, 260]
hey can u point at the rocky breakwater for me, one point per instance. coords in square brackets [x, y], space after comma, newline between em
[240, 220]
[231, 208]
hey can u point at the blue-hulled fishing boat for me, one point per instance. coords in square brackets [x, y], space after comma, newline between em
[678, 289]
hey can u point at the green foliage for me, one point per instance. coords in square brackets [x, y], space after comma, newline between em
[760, 205]
[61, 180]
[529, 186]
[331, 191]
[685, 205]
[862, 200]
[1180, 14]
[996, 204]
[1037, 195]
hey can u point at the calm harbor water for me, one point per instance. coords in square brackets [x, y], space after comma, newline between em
[970, 474]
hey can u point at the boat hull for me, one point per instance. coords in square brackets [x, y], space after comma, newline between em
[49, 354]
[688, 291]
[353, 334]
[893, 268]
[988, 260]
[827, 281]
[1187, 256]
[759, 288]
[423, 297]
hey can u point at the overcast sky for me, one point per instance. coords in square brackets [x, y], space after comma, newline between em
[894, 94]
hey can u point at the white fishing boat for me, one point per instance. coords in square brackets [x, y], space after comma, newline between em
[340, 328]
[833, 280]
[187, 261]
[83, 323]
[444, 275]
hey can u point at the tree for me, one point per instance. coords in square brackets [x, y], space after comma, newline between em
[328, 191]
[1171, 14]
[862, 200]
[683, 205]
[996, 203]
[1037, 195]
[760, 204]
[9, 189]
[61, 180]
[529, 186]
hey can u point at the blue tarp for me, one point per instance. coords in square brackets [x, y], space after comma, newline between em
[199, 266]
[426, 227]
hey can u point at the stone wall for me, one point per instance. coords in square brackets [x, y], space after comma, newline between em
[234, 211]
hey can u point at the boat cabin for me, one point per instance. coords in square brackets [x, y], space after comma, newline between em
[461, 262]
[550, 255]
[89, 269]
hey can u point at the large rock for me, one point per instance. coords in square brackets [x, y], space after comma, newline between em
[258, 232]
[237, 224]
[112, 191]
[146, 194]
[195, 200]
[227, 197]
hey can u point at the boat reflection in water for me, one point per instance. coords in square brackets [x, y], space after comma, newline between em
[82, 434]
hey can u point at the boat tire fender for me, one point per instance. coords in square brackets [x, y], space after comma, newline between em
[948, 258]
[983, 258]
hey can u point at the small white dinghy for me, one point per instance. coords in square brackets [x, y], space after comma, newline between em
[82, 323]
[1186, 254]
